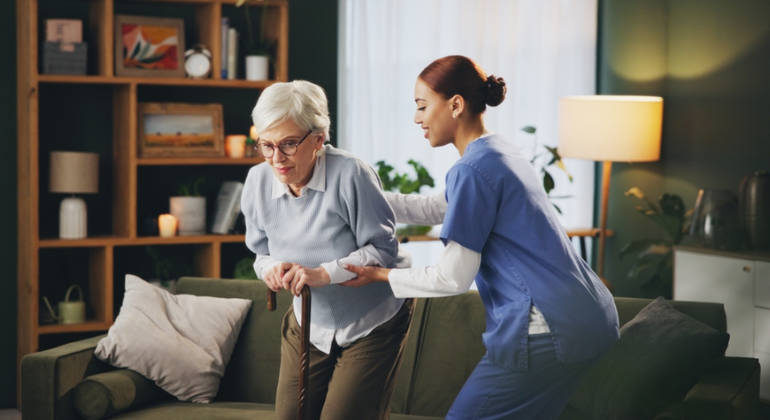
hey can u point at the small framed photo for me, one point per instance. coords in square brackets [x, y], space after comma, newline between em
[180, 130]
[149, 46]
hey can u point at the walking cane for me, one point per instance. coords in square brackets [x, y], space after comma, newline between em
[304, 357]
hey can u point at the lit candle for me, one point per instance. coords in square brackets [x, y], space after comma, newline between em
[235, 145]
[253, 132]
[167, 225]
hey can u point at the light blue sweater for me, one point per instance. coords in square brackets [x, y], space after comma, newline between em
[349, 213]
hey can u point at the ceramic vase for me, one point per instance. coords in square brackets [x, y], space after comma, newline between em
[257, 67]
[191, 214]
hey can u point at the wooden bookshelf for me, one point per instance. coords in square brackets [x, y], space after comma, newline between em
[101, 254]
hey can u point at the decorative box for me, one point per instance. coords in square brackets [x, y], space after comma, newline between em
[64, 57]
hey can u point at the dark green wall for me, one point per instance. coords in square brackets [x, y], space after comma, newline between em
[8, 209]
[313, 47]
[710, 61]
[312, 56]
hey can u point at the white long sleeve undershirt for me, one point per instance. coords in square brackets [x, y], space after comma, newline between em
[418, 209]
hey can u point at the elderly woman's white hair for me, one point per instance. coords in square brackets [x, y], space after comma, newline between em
[300, 101]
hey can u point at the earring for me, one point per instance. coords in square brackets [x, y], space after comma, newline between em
[319, 152]
[454, 117]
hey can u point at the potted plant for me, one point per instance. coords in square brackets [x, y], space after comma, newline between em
[657, 254]
[244, 270]
[189, 207]
[257, 50]
[162, 270]
[393, 181]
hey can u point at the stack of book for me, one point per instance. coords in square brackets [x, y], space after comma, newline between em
[228, 207]
[229, 50]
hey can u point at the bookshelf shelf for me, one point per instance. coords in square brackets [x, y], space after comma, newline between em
[140, 240]
[89, 325]
[198, 161]
[157, 81]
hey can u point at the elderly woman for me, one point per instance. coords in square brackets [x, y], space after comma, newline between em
[310, 209]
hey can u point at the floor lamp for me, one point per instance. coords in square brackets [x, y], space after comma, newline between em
[608, 129]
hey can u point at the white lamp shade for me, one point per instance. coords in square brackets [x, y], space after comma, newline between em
[74, 172]
[610, 128]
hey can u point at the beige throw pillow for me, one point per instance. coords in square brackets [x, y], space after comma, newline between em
[182, 342]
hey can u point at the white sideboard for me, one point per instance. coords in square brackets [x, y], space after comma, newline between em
[741, 281]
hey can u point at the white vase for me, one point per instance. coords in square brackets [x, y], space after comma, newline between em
[257, 67]
[73, 218]
[191, 214]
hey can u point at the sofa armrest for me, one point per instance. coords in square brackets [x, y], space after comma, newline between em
[728, 391]
[48, 378]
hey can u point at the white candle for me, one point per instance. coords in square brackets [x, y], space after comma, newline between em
[235, 145]
[167, 225]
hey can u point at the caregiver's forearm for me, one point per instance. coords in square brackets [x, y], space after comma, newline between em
[418, 209]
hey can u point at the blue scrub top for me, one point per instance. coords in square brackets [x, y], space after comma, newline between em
[497, 207]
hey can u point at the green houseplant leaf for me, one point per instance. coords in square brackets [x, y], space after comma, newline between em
[542, 160]
[394, 181]
[656, 254]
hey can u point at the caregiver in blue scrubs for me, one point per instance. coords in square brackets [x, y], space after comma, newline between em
[549, 317]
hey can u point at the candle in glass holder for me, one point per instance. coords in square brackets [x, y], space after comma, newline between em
[167, 225]
[235, 145]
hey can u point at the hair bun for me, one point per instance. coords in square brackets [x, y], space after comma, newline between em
[495, 90]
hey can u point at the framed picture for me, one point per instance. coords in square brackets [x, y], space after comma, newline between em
[149, 47]
[180, 130]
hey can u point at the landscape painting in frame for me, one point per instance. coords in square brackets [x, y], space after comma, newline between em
[148, 46]
[180, 130]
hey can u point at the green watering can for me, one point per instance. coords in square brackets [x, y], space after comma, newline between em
[70, 312]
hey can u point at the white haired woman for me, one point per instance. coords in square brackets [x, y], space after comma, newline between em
[309, 210]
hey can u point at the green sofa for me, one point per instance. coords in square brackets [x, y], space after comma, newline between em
[443, 348]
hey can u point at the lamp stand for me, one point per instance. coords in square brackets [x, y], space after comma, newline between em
[606, 173]
[72, 218]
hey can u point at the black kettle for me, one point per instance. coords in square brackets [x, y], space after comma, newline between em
[754, 208]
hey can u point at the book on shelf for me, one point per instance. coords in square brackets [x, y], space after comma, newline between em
[232, 54]
[225, 34]
[228, 207]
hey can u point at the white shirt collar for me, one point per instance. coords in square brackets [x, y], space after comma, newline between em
[317, 181]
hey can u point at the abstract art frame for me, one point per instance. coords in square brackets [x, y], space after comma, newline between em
[149, 46]
[168, 129]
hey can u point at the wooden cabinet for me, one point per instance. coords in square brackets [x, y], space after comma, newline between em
[741, 281]
[58, 112]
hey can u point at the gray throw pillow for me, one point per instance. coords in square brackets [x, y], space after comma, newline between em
[660, 355]
[181, 342]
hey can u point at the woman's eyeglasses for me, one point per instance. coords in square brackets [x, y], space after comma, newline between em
[287, 148]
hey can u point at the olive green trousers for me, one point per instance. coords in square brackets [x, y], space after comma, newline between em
[351, 383]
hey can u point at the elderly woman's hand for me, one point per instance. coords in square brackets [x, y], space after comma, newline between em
[274, 275]
[298, 277]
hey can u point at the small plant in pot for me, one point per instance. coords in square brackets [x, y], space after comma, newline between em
[257, 49]
[189, 207]
[164, 272]
[395, 182]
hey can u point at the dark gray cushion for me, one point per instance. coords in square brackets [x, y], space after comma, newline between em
[660, 355]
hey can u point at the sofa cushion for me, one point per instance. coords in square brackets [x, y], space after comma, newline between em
[660, 355]
[215, 411]
[104, 395]
[443, 348]
[182, 342]
[252, 373]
